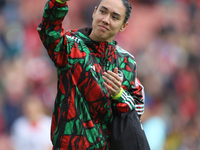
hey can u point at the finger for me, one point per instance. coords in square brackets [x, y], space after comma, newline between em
[111, 82]
[115, 75]
[116, 70]
[109, 76]
[116, 82]
[109, 88]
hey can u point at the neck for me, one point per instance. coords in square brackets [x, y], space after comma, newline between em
[94, 38]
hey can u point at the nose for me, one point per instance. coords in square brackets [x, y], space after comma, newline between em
[106, 19]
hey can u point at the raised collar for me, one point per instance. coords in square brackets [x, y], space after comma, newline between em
[102, 49]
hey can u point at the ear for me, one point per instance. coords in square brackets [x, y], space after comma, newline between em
[123, 27]
[95, 9]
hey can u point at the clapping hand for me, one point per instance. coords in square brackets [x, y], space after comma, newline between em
[112, 81]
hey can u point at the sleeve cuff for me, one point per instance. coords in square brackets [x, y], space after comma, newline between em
[118, 95]
[59, 1]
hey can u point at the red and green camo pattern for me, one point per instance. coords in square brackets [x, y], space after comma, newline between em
[83, 109]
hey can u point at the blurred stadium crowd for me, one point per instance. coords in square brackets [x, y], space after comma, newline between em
[163, 35]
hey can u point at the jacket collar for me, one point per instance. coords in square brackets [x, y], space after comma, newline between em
[102, 49]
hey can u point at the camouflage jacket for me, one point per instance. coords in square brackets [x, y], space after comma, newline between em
[83, 109]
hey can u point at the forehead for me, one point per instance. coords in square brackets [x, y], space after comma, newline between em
[116, 6]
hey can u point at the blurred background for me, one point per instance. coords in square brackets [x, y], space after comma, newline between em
[163, 35]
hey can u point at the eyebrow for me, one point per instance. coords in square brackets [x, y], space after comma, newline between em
[112, 12]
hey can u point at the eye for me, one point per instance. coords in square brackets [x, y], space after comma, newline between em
[115, 18]
[102, 11]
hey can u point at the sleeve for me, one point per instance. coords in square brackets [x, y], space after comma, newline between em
[132, 94]
[52, 33]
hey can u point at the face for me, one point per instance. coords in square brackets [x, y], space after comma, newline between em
[108, 20]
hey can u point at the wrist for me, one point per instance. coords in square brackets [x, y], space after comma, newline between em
[61, 1]
[118, 95]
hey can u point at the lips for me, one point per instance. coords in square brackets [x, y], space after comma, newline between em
[103, 27]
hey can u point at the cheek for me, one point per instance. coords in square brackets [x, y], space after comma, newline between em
[96, 17]
[94, 21]
[116, 27]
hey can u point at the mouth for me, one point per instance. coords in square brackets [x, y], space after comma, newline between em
[103, 27]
